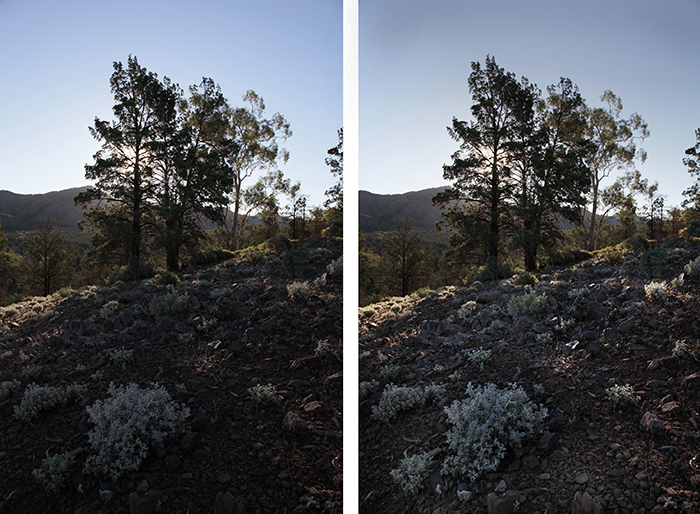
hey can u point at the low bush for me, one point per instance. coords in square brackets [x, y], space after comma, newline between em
[37, 399]
[54, 471]
[127, 424]
[411, 473]
[485, 425]
[397, 399]
[652, 261]
[170, 303]
[527, 304]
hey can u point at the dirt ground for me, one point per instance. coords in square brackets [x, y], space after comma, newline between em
[592, 456]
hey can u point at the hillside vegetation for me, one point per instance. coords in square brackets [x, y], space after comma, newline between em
[595, 367]
[218, 390]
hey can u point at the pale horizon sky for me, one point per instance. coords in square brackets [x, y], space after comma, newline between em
[57, 58]
[415, 61]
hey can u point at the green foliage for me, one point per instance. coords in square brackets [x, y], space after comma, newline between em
[170, 303]
[656, 291]
[168, 279]
[489, 274]
[397, 399]
[527, 304]
[411, 473]
[54, 471]
[693, 268]
[485, 424]
[127, 424]
[8, 387]
[37, 399]
[622, 396]
[526, 279]
[295, 260]
[298, 290]
[264, 394]
[132, 273]
[652, 261]
[479, 357]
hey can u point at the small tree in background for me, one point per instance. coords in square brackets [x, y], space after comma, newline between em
[334, 203]
[46, 262]
[615, 142]
[257, 139]
[692, 194]
[404, 262]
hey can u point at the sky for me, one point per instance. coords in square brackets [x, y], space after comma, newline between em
[56, 61]
[415, 57]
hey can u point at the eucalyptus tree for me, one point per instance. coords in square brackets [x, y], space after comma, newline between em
[191, 182]
[692, 194]
[550, 170]
[615, 140]
[478, 206]
[257, 140]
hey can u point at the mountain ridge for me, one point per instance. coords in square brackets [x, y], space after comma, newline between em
[20, 212]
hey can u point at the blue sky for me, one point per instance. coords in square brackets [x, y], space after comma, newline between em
[415, 59]
[56, 61]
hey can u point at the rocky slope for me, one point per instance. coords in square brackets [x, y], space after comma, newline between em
[240, 327]
[599, 328]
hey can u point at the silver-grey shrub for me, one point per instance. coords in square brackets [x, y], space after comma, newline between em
[397, 399]
[37, 399]
[411, 473]
[53, 471]
[527, 304]
[170, 303]
[485, 425]
[127, 423]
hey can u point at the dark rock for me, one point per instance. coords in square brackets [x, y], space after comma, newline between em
[503, 504]
[671, 409]
[254, 334]
[294, 423]
[54, 340]
[692, 380]
[145, 504]
[335, 380]
[558, 456]
[627, 325]
[226, 504]
[584, 504]
[652, 424]
[191, 441]
[611, 334]
[546, 442]
[413, 341]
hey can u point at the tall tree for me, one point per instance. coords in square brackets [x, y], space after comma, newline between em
[258, 148]
[550, 170]
[190, 181]
[404, 262]
[119, 206]
[334, 201]
[692, 194]
[478, 205]
[45, 261]
[616, 149]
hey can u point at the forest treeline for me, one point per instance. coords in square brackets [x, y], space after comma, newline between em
[528, 162]
[171, 163]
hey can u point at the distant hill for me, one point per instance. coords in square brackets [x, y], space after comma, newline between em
[21, 212]
[380, 212]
